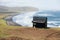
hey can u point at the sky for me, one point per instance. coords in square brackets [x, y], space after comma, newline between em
[41, 4]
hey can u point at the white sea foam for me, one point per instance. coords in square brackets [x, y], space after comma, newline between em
[25, 19]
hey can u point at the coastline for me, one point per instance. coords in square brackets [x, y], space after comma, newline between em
[9, 20]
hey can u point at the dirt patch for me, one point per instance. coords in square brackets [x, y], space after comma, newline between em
[13, 38]
[54, 36]
[35, 34]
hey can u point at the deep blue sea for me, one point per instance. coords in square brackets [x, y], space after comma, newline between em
[25, 19]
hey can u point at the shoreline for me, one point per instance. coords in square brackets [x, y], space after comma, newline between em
[9, 20]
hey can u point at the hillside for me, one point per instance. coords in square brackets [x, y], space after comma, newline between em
[30, 34]
[9, 32]
[17, 9]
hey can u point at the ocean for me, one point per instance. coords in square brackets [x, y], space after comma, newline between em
[25, 19]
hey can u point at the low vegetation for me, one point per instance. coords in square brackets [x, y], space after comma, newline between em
[3, 26]
[20, 33]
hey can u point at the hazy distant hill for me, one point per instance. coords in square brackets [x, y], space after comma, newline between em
[3, 8]
[23, 9]
[17, 9]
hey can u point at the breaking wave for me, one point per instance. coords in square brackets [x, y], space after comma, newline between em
[25, 19]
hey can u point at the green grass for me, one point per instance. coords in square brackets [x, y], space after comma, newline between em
[4, 27]
[2, 22]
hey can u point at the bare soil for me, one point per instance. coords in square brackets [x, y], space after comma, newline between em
[32, 34]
